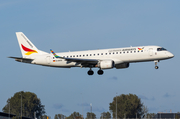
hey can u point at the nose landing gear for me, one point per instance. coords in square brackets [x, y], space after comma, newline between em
[156, 67]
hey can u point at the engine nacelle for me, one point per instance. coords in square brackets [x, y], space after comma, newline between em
[106, 64]
[121, 66]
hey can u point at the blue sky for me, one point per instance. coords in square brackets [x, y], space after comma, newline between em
[73, 25]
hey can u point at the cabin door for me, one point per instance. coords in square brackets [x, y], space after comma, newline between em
[151, 51]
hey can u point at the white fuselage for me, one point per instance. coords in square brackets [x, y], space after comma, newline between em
[118, 55]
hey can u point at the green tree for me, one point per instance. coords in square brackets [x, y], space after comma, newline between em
[59, 116]
[44, 117]
[90, 115]
[75, 115]
[105, 115]
[30, 104]
[127, 105]
[145, 111]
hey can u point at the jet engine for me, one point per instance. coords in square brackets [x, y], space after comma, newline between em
[106, 64]
[122, 65]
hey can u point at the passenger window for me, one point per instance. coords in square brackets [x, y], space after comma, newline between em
[106, 53]
[77, 56]
[109, 53]
[141, 50]
[116, 52]
[90, 54]
[101, 53]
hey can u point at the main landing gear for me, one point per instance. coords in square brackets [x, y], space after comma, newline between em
[156, 67]
[100, 72]
[91, 72]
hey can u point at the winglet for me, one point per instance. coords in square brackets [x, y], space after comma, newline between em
[56, 56]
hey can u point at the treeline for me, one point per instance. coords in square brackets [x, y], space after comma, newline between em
[122, 106]
[77, 115]
[29, 105]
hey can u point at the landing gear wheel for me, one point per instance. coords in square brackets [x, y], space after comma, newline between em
[100, 72]
[156, 67]
[90, 72]
[156, 61]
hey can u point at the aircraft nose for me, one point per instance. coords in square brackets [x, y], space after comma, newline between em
[170, 55]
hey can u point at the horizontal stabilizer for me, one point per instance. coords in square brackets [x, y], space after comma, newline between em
[20, 59]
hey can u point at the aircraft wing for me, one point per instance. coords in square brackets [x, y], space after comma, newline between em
[81, 60]
[78, 60]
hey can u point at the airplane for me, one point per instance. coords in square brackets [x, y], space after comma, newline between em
[118, 58]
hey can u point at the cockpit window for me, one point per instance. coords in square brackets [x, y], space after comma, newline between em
[161, 49]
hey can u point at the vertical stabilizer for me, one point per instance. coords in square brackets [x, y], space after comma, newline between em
[28, 49]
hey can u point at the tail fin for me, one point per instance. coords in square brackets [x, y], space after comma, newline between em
[28, 49]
